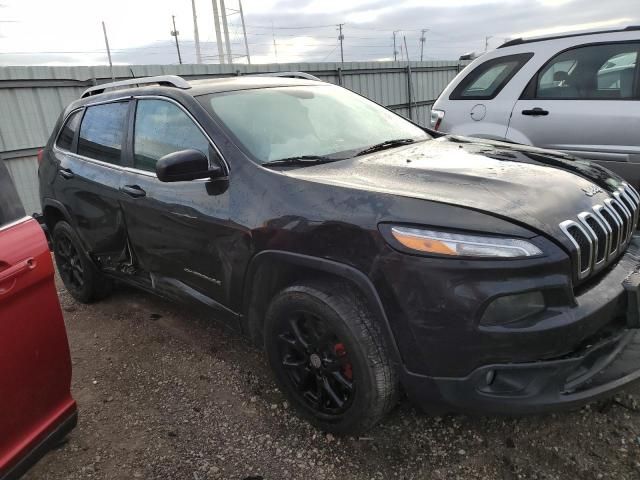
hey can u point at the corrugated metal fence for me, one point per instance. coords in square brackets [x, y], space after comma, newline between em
[31, 98]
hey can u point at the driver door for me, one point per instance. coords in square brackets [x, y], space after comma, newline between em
[179, 231]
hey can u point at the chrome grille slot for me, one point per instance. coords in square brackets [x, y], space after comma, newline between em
[583, 243]
[624, 215]
[602, 233]
[598, 232]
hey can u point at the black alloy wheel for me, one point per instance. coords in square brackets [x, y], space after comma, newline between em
[329, 357]
[317, 363]
[69, 262]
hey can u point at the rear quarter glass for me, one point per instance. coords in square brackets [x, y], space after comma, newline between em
[11, 208]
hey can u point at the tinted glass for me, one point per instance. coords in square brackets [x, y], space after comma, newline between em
[162, 128]
[490, 77]
[68, 132]
[596, 72]
[102, 132]
[284, 122]
[11, 208]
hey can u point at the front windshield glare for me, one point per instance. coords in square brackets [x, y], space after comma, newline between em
[286, 122]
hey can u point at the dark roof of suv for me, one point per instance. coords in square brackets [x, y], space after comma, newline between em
[199, 87]
[228, 84]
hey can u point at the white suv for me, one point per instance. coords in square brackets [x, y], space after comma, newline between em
[577, 93]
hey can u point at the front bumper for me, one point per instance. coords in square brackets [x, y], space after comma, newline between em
[595, 372]
[581, 353]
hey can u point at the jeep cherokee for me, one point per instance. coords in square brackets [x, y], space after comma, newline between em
[366, 255]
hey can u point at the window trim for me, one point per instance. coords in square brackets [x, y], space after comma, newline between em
[522, 58]
[132, 126]
[74, 141]
[124, 132]
[129, 139]
[15, 223]
[531, 89]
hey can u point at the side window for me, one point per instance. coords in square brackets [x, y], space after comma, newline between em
[593, 72]
[68, 132]
[11, 208]
[102, 132]
[487, 80]
[161, 128]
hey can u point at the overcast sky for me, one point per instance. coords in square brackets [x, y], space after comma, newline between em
[65, 32]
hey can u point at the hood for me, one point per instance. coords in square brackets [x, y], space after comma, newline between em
[533, 187]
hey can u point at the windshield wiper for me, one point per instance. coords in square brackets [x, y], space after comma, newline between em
[299, 160]
[386, 144]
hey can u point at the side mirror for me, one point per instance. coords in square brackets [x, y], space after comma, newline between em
[186, 165]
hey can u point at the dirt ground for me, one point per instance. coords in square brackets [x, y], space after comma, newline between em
[166, 394]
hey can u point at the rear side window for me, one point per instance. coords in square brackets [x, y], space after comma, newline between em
[162, 128]
[11, 208]
[68, 132]
[102, 132]
[487, 80]
[592, 72]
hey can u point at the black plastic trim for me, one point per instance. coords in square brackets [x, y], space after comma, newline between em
[42, 448]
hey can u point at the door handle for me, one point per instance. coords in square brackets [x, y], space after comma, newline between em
[66, 173]
[133, 191]
[536, 112]
[16, 270]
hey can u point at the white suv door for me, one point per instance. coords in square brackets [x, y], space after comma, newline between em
[585, 101]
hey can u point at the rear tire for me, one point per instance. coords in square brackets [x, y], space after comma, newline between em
[79, 275]
[329, 356]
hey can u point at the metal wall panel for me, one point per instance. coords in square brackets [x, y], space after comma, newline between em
[31, 98]
[24, 172]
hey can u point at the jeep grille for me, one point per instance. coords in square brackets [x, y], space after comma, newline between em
[601, 234]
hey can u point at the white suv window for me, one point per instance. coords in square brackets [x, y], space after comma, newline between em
[489, 78]
[594, 72]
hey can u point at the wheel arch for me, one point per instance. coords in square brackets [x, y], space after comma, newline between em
[53, 211]
[271, 270]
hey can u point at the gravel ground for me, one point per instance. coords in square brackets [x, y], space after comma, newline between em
[167, 394]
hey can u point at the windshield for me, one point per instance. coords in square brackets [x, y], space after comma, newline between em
[284, 122]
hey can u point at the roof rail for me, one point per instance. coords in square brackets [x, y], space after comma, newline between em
[306, 76]
[520, 41]
[164, 80]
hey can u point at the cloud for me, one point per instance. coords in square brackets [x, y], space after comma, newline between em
[69, 31]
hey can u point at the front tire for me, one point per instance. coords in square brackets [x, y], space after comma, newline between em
[329, 357]
[79, 275]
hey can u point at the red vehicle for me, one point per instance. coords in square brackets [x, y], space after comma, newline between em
[36, 407]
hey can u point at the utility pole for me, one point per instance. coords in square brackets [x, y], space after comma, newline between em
[341, 38]
[196, 35]
[395, 51]
[216, 24]
[422, 40]
[275, 47]
[486, 42]
[106, 42]
[175, 34]
[244, 30]
[225, 27]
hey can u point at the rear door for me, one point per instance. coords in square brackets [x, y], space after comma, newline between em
[89, 152]
[585, 101]
[35, 368]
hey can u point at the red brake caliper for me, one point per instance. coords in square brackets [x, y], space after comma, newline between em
[341, 352]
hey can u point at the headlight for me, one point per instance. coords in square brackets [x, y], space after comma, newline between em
[462, 245]
[436, 118]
